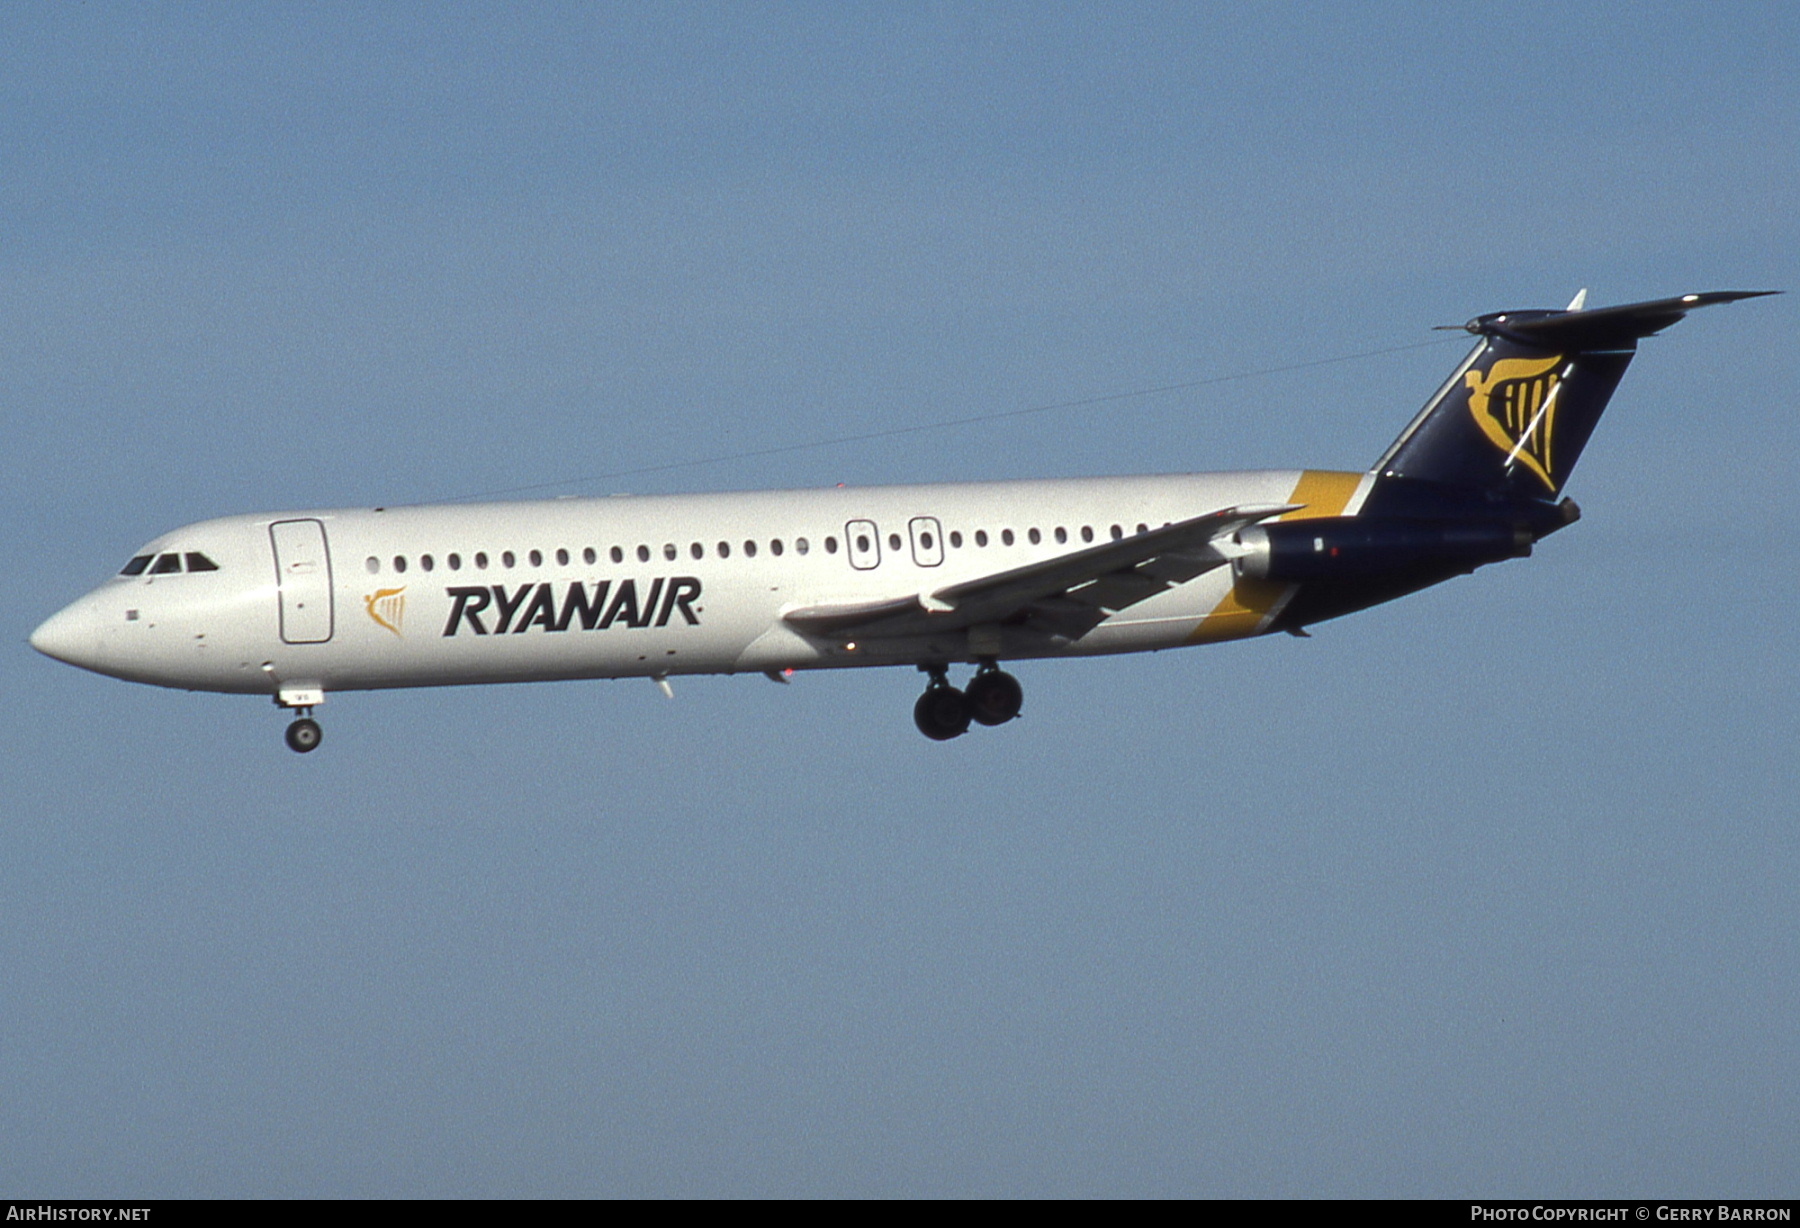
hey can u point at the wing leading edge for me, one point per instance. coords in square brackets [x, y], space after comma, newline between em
[1066, 596]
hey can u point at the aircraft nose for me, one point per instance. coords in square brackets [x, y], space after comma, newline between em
[72, 635]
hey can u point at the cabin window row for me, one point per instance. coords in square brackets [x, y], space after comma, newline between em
[724, 549]
[618, 554]
[1033, 535]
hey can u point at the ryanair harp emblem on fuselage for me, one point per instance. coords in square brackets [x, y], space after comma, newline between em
[387, 606]
[1514, 404]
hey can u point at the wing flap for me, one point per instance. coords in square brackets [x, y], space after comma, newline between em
[1118, 590]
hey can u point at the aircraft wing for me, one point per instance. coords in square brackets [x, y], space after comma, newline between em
[1065, 596]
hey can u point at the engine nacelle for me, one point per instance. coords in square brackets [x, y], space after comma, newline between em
[1345, 548]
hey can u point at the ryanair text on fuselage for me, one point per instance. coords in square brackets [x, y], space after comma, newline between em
[598, 608]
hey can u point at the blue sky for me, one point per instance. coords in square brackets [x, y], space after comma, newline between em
[1486, 892]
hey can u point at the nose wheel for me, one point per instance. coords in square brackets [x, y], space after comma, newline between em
[304, 735]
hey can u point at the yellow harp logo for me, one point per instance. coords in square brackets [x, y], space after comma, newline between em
[1514, 404]
[387, 606]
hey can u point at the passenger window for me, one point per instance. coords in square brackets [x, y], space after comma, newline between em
[373, 564]
[507, 559]
[426, 562]
[481, 559]
[1117, 533]
[643, 554]
[589, 557]
[981, 537]
[1143, 528]
[669, 551]
[1062, 535]
[894, 542]
[617, 555]
[724, 550]
[455, 561]
[1087, 532]
[537, 558]
[399, 562]
[831, 545]
[697, 550]
[1006, 536]
[1035, 536]
[749, 550]
[199, 562]
[562, 557]
[956, 539]
[137, 565]
[775, 546]
[166, 564]
[801, 546]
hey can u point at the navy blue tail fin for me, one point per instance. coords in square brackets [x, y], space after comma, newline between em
[1515, 416]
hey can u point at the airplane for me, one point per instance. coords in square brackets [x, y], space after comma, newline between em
[299, 605]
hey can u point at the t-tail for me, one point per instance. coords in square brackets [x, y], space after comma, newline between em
[1476, 477]
[1515, 416]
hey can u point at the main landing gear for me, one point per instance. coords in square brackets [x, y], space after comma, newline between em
[304, 734]
[993, 697]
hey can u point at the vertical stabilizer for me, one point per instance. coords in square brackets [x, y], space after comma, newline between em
[1516, 414]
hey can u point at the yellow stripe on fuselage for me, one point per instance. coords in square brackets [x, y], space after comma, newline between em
[1324, 492]
[1248, 604]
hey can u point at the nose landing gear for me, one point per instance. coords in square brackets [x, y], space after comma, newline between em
[994, 697]
[304, 735]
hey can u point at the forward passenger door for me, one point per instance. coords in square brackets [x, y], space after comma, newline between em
[303, 577]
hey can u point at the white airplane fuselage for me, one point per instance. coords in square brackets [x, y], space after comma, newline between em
[297, 605]
[640, 586]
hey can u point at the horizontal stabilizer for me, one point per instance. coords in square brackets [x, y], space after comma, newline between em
[1601, 328]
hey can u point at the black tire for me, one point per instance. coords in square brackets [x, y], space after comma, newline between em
[995, 697]
[304, 735]
[942, 713]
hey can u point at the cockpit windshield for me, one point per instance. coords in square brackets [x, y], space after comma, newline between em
[167, 564]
